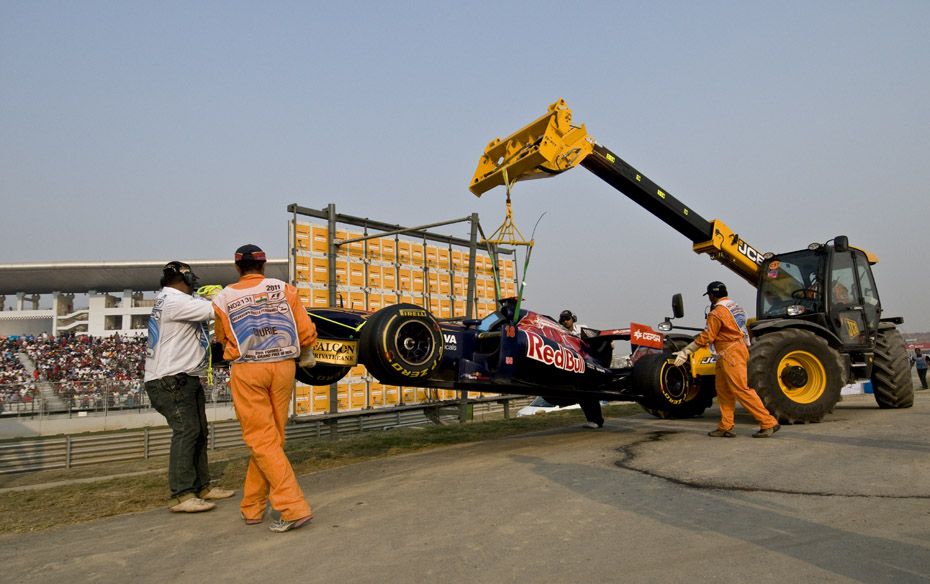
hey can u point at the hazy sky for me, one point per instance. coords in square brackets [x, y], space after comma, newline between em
[161, 130]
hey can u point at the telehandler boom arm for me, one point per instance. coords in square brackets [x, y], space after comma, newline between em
[551, 145]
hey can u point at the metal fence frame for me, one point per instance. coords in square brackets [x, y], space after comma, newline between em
[333, 218]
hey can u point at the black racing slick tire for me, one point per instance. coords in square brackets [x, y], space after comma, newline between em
[401, 344]
[669, 392]
[320, 374]
[891, 371]
[797, 374]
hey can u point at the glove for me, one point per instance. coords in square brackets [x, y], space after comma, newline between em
[681, 357]
[209, 292]
[307, 358]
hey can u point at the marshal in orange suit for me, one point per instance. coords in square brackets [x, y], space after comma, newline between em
[726, 330]
[265, 330]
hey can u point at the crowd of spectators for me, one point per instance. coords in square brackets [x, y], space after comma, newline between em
[16, 390]
[85, 372]
[85, 358]
[12, 370]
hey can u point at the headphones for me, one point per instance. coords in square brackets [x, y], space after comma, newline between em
[174, 269]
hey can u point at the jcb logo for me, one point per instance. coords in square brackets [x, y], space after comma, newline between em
[749, 251]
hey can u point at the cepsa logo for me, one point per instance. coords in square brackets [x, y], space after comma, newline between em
[564, 358]
[642, 335]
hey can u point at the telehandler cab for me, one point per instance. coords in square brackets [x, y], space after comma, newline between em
[819, 322]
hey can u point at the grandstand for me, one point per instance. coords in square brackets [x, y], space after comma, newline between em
[119, 295]
[59, 358]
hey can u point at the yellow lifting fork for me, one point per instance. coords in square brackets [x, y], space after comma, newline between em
[546, 146]
[551, 145]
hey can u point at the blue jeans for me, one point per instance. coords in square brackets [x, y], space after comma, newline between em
[179, 398]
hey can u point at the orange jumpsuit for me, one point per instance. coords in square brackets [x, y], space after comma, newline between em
[263, 326]
[731, 372]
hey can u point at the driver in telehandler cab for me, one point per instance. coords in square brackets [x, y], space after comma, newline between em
[840, 293]
[728, 336]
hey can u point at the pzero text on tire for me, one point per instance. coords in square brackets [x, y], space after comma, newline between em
[797, 374]
[669, 391]
[401, 344]
[891, 371]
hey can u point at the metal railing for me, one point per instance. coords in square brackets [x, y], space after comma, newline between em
[72, 398]
[57, 452]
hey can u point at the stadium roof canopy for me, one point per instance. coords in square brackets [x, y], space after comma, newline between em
[81, 277]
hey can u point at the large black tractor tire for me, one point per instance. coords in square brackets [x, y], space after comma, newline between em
[891, 371]
[797, 374]
[321, 374]
[401, 344]
[669, 392]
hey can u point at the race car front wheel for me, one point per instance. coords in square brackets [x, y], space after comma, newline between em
[320, 374]
[401, 344]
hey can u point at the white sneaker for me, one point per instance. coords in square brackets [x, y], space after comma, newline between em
[192, 505]
[590, 425]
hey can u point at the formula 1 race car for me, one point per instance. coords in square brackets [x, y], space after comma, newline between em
[531, 354]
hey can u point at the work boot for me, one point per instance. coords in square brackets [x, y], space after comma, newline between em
[192, 505]
[215, 493]
[766, 432]
[718, 433]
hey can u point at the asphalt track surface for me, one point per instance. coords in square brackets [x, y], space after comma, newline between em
[643, 500]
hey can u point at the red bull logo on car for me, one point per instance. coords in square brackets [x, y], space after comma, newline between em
[560, 357]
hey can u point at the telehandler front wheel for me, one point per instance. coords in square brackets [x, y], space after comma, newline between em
[797, 375]
[891, 371]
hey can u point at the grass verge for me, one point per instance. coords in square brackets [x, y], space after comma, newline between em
[56, 498]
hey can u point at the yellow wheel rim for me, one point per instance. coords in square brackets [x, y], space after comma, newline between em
[802, 377]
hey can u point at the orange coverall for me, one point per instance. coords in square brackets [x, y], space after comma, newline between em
[261, 394]
[731, 375]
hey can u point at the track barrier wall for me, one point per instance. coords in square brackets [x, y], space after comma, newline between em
[70, 451]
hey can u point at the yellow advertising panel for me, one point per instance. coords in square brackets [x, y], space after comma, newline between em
[319, 240]
[388, 250]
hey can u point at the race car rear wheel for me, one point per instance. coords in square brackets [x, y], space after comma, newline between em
[320, 374]
[401, 344]
[669, 391]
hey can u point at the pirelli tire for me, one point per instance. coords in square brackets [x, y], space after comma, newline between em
[321, 374]
[891, 371]
[669, 392]
[401, 344]
[797, 374]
